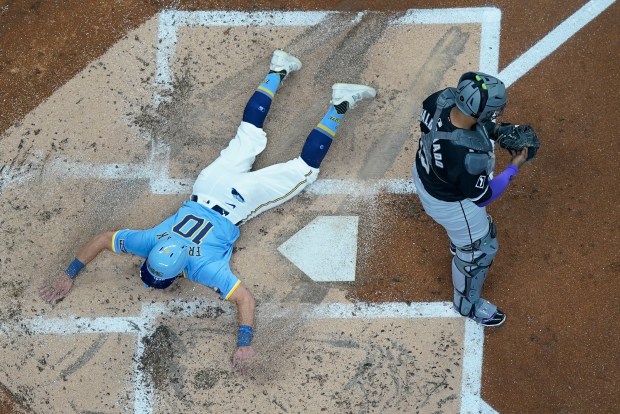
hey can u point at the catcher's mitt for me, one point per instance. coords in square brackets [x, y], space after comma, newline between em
[517, 137]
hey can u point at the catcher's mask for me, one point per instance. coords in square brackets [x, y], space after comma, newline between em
[166, 261]
[481, 96]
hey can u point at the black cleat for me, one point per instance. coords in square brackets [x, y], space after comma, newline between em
[496, 320]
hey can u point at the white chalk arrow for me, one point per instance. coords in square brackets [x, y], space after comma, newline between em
[326, 249]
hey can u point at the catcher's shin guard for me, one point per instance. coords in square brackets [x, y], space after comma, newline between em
[470, 267]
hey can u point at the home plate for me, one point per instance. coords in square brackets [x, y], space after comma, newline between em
[326, 249]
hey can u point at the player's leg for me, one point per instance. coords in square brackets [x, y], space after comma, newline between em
[470, 267]
[344, 97]
[281, 65]
[274, 185]
[467, 225]
[251, 139]
[463, 221]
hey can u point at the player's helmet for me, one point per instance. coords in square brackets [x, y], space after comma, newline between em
[481, 96]
[166, 261]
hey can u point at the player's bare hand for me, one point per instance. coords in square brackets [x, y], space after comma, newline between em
[242, 357]
[58, 289]
[519, 157]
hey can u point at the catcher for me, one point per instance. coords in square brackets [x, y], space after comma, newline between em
[453, 174]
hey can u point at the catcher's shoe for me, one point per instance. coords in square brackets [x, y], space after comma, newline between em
[452, 249]
[284, 62]
[496, 320]
[351, 93]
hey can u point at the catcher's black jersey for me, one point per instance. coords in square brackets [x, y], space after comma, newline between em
[446, 179]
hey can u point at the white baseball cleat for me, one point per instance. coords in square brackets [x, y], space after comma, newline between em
[351, 93]
[282, 61]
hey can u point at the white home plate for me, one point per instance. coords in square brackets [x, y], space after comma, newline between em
[326, 249]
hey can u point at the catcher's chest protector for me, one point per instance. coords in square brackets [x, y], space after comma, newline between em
[477, 162]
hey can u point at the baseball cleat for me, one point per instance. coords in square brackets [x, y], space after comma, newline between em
[452, 249]
[282, 61]
[494, 321]
[351, 93]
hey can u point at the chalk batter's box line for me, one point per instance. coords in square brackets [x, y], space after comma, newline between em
[144, 325]
[170, 21]
[156, 170]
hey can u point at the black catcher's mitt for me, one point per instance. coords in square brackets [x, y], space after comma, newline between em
[517, 137]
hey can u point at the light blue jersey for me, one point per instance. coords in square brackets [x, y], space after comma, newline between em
[210, 238]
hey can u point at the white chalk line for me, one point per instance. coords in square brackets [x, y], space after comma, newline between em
[171, 20]
[552, 41]
[489, 18]
[144, 325]
[156, 169]
[160, 184]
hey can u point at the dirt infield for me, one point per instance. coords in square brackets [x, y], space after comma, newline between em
[555, 276]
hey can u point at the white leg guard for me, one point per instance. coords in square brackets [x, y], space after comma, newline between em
[470, 267]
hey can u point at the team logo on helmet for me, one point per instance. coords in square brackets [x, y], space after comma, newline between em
[165, 262]
[481, 96]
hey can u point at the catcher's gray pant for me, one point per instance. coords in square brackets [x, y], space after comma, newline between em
[472, 232]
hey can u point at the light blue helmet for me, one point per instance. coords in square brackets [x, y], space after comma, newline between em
[166, 261]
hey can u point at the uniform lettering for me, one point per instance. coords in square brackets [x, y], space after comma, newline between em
[426, 119]
[190, 225]
[194, 251]
[423, 161]
[436, 154]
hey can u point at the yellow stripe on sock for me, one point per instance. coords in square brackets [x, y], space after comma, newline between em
[324, 128]
[267, 91]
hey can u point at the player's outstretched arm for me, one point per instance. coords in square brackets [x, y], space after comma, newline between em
[246, 306]
[63, 283]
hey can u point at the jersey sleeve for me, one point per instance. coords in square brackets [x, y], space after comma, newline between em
[475, 187]
[224, 281]
[138, 242]
[472, 186]
[428, 112]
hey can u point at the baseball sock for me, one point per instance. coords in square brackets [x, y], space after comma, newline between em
[318, 142]
[258, 106]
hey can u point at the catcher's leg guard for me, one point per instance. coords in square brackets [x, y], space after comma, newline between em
[470, 267]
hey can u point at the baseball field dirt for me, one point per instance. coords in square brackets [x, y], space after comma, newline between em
[110, 109]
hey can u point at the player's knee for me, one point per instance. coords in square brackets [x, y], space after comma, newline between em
[256, 109]
[315, 148]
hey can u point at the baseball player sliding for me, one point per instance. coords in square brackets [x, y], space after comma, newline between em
[197, 241]
[453, 176]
